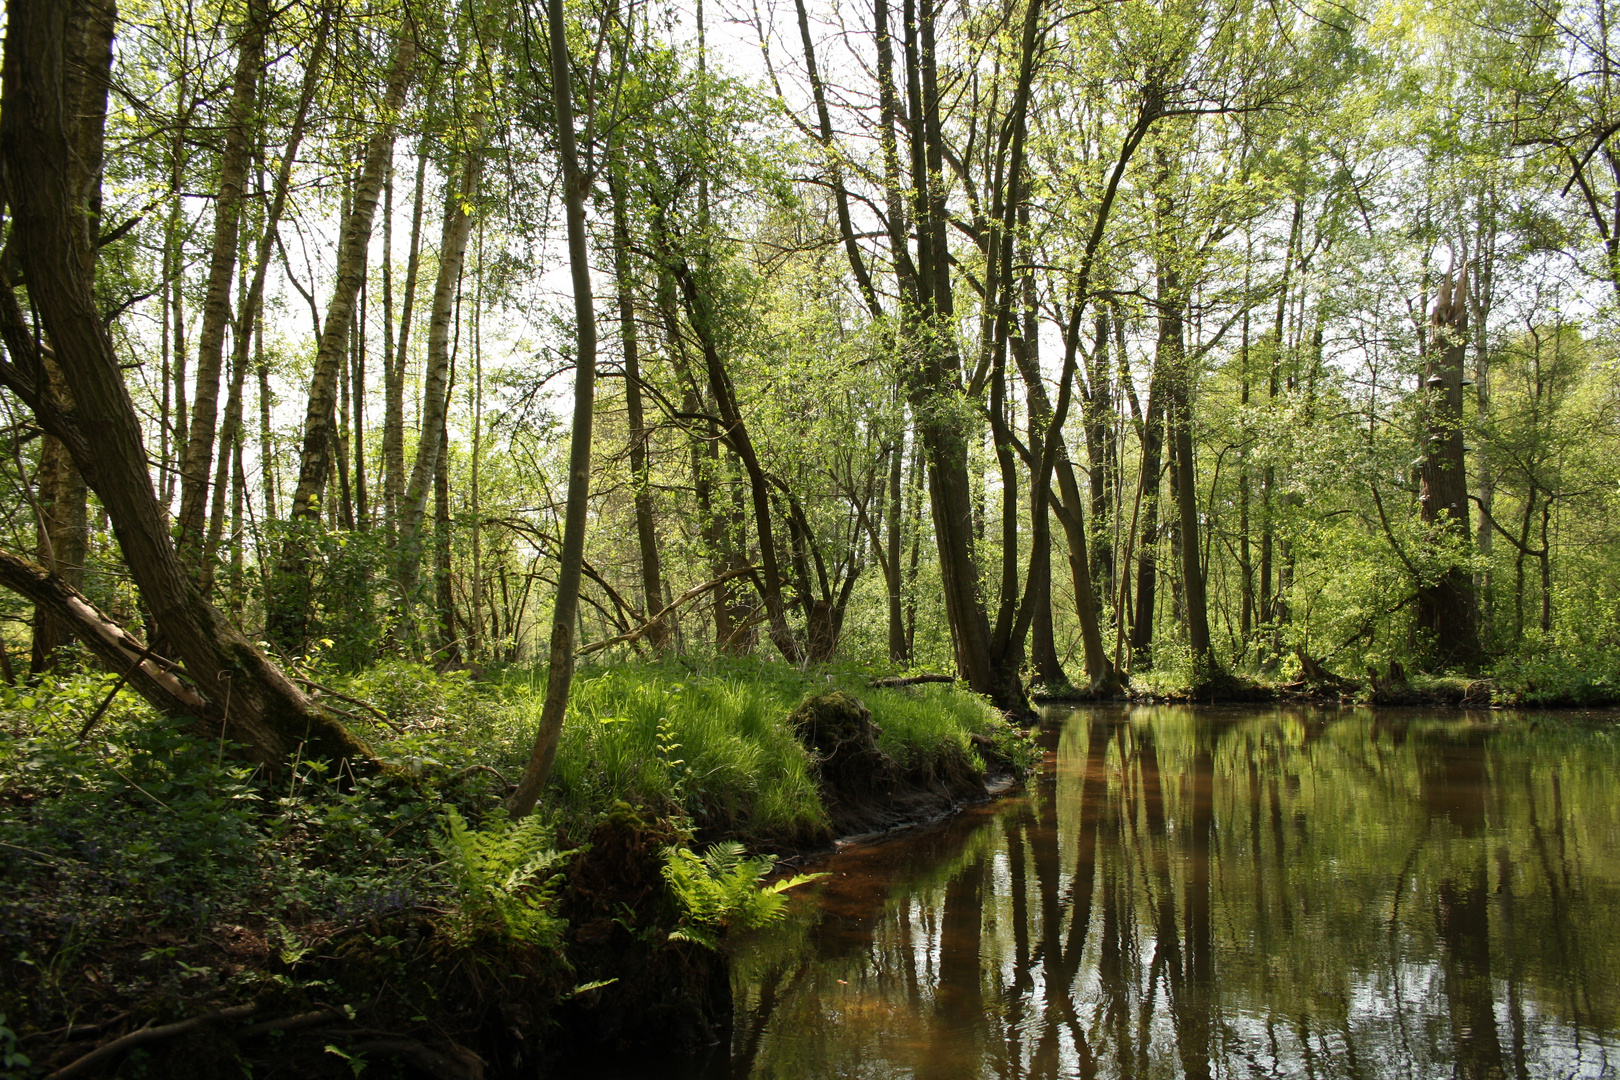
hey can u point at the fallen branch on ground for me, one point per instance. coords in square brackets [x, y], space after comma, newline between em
[145, 1035]
[908, 680]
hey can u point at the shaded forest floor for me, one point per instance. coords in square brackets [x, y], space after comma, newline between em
[189, 915]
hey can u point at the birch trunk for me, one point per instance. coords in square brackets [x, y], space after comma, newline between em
[288, 607]
[394, 363]
[315, 460]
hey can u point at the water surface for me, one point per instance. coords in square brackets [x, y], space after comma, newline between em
[1200, 893]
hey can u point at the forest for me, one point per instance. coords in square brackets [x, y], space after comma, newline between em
[440, 441]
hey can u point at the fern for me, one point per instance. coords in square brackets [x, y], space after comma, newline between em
[503, 877]
[721, 890]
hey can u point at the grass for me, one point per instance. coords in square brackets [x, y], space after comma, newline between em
[713, 742]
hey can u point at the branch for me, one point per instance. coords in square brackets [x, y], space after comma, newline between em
[145, 1035]
[691, 594]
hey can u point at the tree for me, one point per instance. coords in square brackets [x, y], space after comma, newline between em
[56, 55]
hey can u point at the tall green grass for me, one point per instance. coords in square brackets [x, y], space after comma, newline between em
[712, 741]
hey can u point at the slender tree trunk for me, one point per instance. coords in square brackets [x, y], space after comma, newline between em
[394, 363]
[357, 397]
[436, 391]
[1147, 558]
[449, 650]
[230, 435]
[652, 573]
[267, 457]
[1205, 668]
[899, 643]
[475, 508]
[560, 676]
[1100, 458]
[199, 456]
[238, 581]
[288, 606]
[738, 438]
[315, 460]
[1043, 643]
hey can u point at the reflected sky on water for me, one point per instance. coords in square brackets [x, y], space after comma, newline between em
[1203, 893]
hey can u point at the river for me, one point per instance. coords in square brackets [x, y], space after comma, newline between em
[1219, 892]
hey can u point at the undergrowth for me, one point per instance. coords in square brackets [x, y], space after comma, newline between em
[144, 864]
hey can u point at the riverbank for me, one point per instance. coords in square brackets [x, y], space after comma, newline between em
[163, 905]
[1512, 687]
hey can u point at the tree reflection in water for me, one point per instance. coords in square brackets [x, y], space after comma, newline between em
[1207, 894]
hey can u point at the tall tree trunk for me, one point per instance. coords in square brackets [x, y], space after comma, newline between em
[230, 435]
[1101, 457]
[652, 573]
[199, 455]
[436, 390]
[267, 457]
[394, 362]
[238, 581]
[937, 375]
[315, 459]
[1147, 558]
[1447, 607]
[357, 400]
[560, 675]
[899, 643]
[1043, 641]
[55, 245]
[1205, 669]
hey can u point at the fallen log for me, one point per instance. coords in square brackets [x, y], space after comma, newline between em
[893, 681]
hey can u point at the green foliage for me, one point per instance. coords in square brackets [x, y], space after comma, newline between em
[505, 876]
[722, 890]
[14, 1064]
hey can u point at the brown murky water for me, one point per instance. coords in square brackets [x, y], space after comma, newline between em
[1205, 893]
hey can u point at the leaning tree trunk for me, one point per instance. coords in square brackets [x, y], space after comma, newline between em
[236, 685]
[560, 676]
